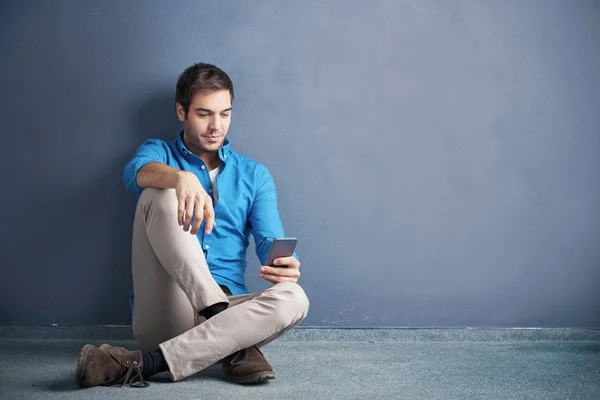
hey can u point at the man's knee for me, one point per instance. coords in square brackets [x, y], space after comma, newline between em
[294, 303]
[160, 200]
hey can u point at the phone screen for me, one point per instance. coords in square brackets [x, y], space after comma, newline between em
[281, 247]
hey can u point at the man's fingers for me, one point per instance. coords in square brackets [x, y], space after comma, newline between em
[275, 275]
[198, 207]
[285, 272]
[196, 225]
[189, 213]
[286, 262]
[197, 217]
[277, 278]
[209, 216]
[181, 210]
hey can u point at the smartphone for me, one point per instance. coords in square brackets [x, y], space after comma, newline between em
[281, 247]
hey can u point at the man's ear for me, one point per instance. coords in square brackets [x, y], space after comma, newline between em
[180, 111]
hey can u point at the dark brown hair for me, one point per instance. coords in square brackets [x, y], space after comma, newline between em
[200, 77]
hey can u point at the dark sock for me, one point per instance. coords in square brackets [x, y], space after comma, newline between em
[213, 310]
[153, 363]
[225, 290]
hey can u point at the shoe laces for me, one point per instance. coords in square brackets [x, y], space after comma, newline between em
[240, 357]
[132, 376]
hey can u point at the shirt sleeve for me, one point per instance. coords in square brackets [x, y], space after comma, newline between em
[150, 151]
[264, 215]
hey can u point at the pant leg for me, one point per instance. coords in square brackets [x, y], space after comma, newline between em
[184, 322]
[171, 278]
[256, 321]
[239, 299]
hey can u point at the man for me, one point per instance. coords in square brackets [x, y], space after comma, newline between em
[198, 203]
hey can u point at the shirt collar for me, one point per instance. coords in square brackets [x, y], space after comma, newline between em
[224, 150]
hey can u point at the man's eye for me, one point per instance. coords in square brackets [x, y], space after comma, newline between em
[225, 115]
[203, 115]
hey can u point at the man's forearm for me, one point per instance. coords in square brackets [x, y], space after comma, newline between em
[158, 175]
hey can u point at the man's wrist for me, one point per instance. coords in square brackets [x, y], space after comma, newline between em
[180, 176]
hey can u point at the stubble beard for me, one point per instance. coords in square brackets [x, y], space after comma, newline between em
[196, 145]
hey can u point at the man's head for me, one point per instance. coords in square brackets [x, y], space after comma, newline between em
[203, 100]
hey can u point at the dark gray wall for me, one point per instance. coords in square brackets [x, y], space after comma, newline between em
[438, 160]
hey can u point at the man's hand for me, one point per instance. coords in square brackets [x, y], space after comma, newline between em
[192, 196]
[287, 270]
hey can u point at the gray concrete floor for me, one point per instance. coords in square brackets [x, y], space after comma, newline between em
[44, 369]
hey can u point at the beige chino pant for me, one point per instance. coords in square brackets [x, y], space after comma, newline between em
[172, 283]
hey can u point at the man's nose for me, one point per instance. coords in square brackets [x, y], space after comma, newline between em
[216, 123]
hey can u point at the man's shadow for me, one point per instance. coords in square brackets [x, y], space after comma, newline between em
[67, 383]
[152, 117]
[93, 218]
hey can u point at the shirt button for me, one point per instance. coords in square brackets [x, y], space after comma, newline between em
[206, 246]
[203, 167]
[209, 190]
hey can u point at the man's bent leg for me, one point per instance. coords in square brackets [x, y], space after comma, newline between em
[241, 326]
[236, 300]
[172, 284]
[171, 279]
[281, 306]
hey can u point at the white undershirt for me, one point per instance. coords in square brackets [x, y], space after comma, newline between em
[213, 179]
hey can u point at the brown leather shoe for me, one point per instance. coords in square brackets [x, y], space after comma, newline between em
[109, 365]
[247, 366]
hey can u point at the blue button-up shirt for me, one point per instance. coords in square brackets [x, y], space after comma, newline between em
[247, 203]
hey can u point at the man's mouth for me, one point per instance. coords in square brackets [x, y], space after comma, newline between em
[213, 138]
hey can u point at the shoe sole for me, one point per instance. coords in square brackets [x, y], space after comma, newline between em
[253, 378]
[81, 364]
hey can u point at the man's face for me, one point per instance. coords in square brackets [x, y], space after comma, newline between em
[207, 122]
